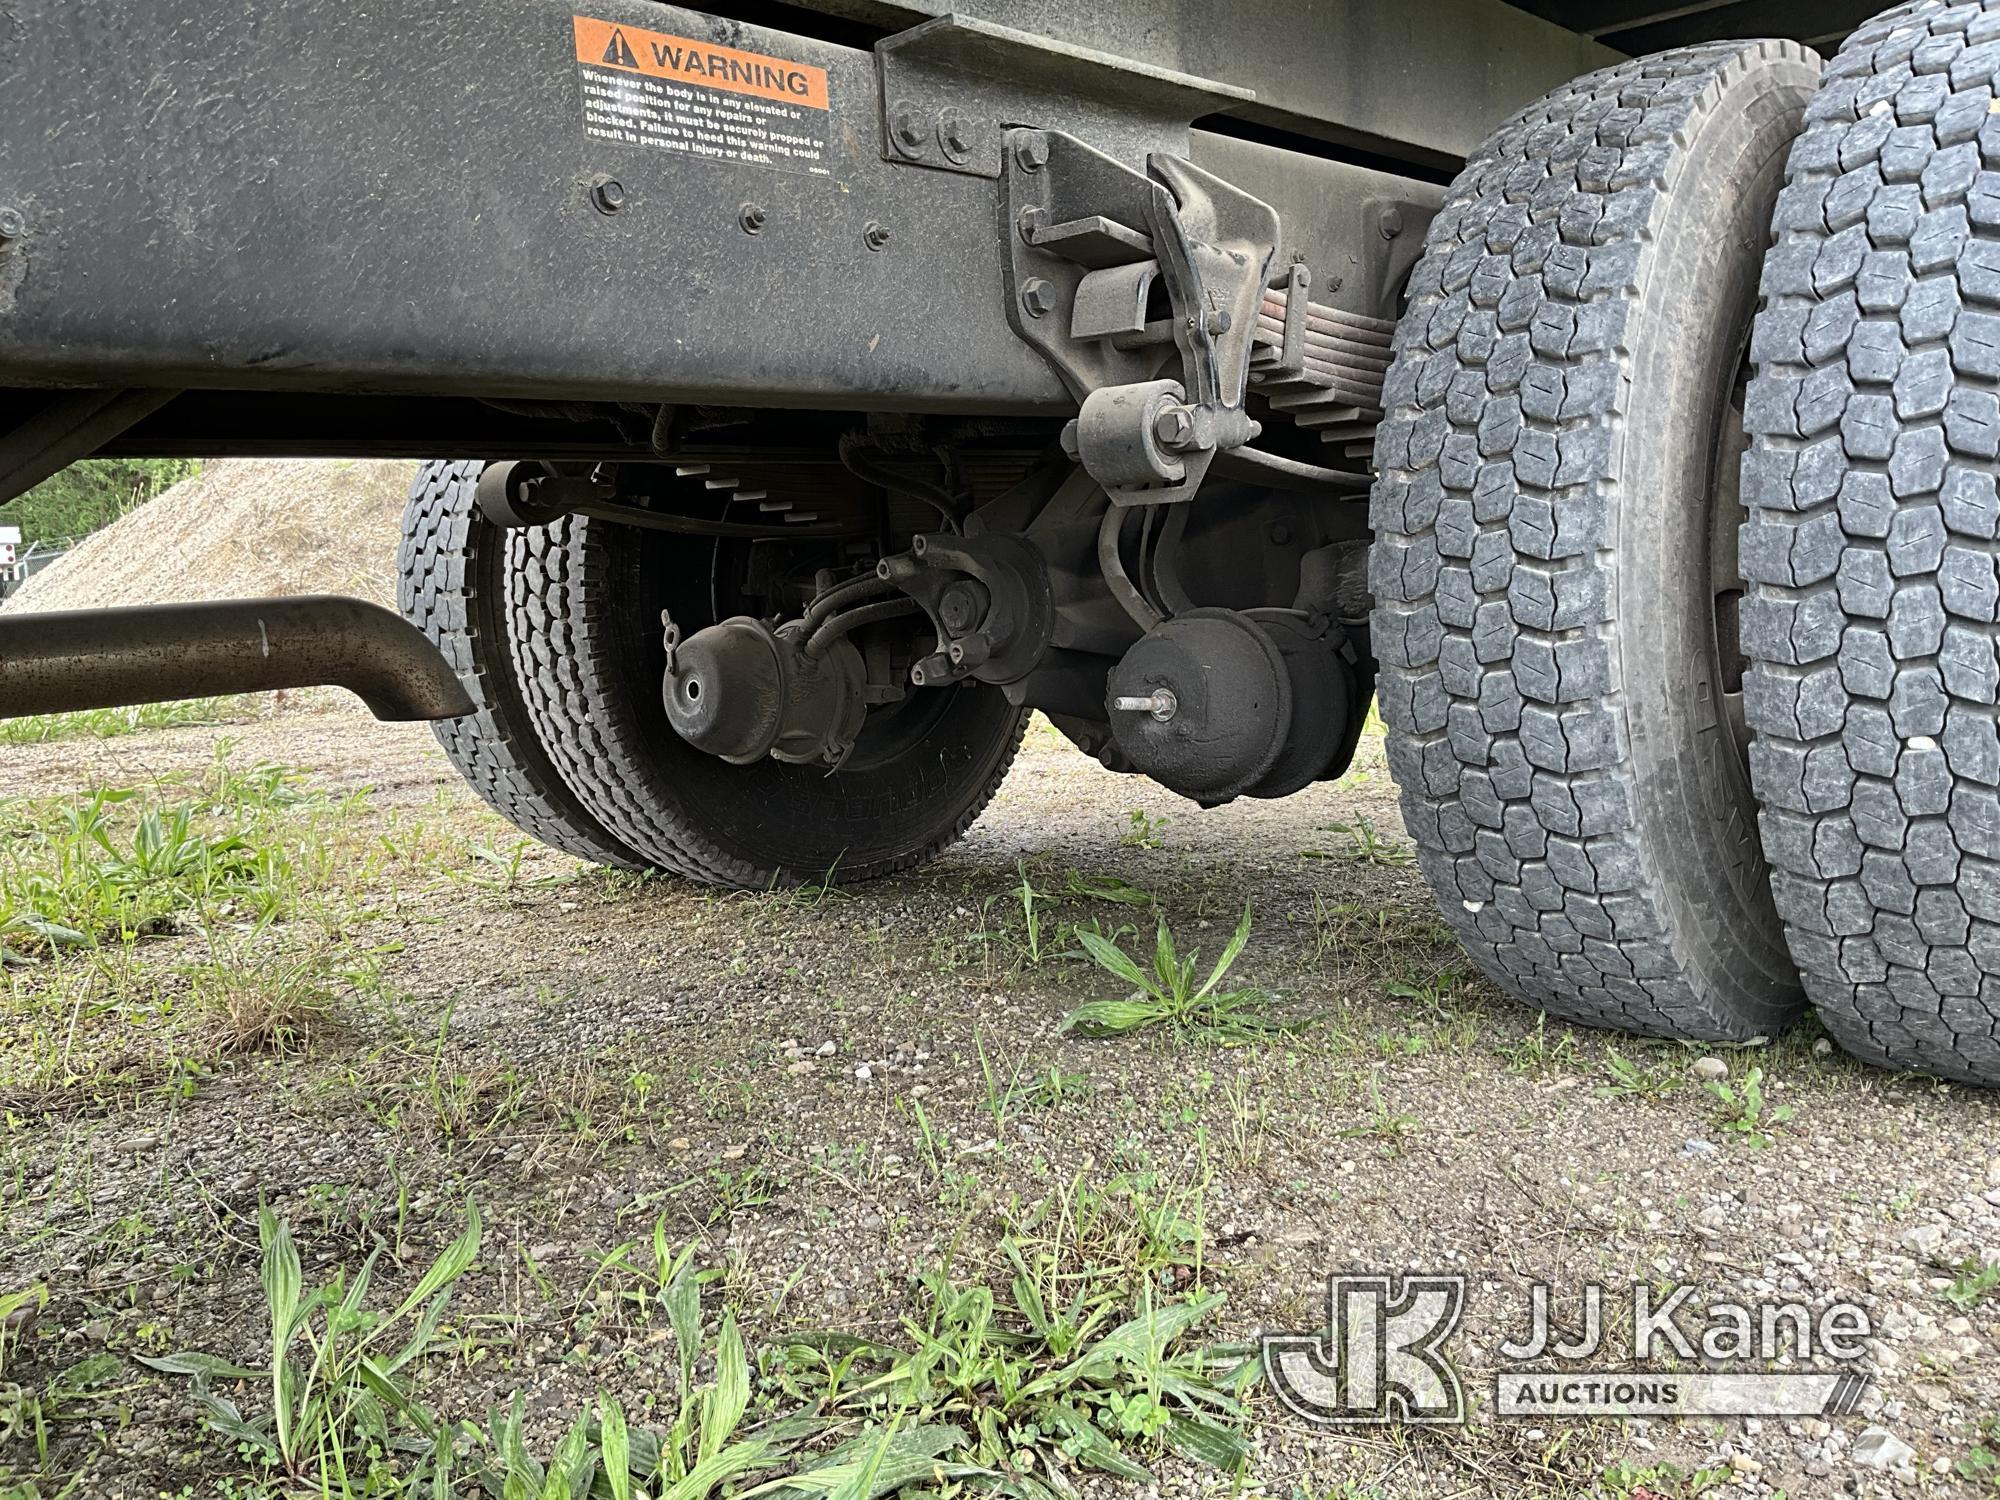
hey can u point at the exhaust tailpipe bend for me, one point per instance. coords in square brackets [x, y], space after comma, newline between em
[62, 660]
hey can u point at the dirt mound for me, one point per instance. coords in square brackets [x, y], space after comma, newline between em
[242, 528]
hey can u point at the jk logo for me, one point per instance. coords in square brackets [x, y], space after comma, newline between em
[1381, 1358]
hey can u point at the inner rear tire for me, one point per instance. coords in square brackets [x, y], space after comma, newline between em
[586, 598]
[1556, 676]
[450, 583]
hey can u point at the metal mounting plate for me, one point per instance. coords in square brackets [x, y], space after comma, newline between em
[952, 87]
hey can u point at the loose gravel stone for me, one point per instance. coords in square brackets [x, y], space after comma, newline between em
[1879, 1448]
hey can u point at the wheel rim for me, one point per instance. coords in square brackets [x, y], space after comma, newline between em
[893, 730]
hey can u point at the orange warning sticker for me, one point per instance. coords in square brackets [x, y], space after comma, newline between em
[655, 54]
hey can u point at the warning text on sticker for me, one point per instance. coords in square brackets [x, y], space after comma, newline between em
[630, 49]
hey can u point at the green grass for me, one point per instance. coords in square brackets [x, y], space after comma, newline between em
[1659, 1481]
[31, 1411]
[111, 723]
[1744, 1112]
[1036, 921]
[111, 866]
[1975, 1281]
[1045, 1090]
[707, 1445]
[1138, 1230]
[1393, 1128]
[149, 933]
[1539, 1050]
[1057, 1376]
[1626, 1078]
[1981, 1466]
[338, 1399]
[1072, 1368]
[1364, 845]
[1143, 830]
[247, 999]
[241, 846]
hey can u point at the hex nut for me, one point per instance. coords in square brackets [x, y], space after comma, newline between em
[1174, 428]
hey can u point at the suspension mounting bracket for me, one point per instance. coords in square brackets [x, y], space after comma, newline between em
[1097, 248]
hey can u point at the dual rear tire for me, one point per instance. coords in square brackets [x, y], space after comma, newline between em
[555, 631]
[1553, 520]
[1666, 776]
[1870, 545]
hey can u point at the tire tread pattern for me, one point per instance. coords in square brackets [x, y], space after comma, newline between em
[1869, 544]
[439, 567]
[1493, 568]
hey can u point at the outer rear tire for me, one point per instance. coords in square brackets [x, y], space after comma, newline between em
[1543, 565]
[587, 598]
[1871, 544]
[451, 584]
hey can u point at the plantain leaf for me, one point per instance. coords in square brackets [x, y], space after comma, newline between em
[737, 1458]
[1136, 1342]
[1230, 954]
[615, 1444]
[1206, 1443]
[1092, 1446]
[350, 1305]
[283, 1284]
[877, 1465]
[425, 1330]
[682, 1296]
[193, 1362]
[571, 1466]
[447, 1268]
[725, 1403]
[1028, 1299]
[282, 1279]
[224, 1418]
[1109, 1017]
[1110, 888]
[1166, 963]
[1113, 959]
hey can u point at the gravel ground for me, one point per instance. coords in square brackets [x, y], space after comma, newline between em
[809, 1085]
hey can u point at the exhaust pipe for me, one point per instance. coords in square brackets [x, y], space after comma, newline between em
[108, 658]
